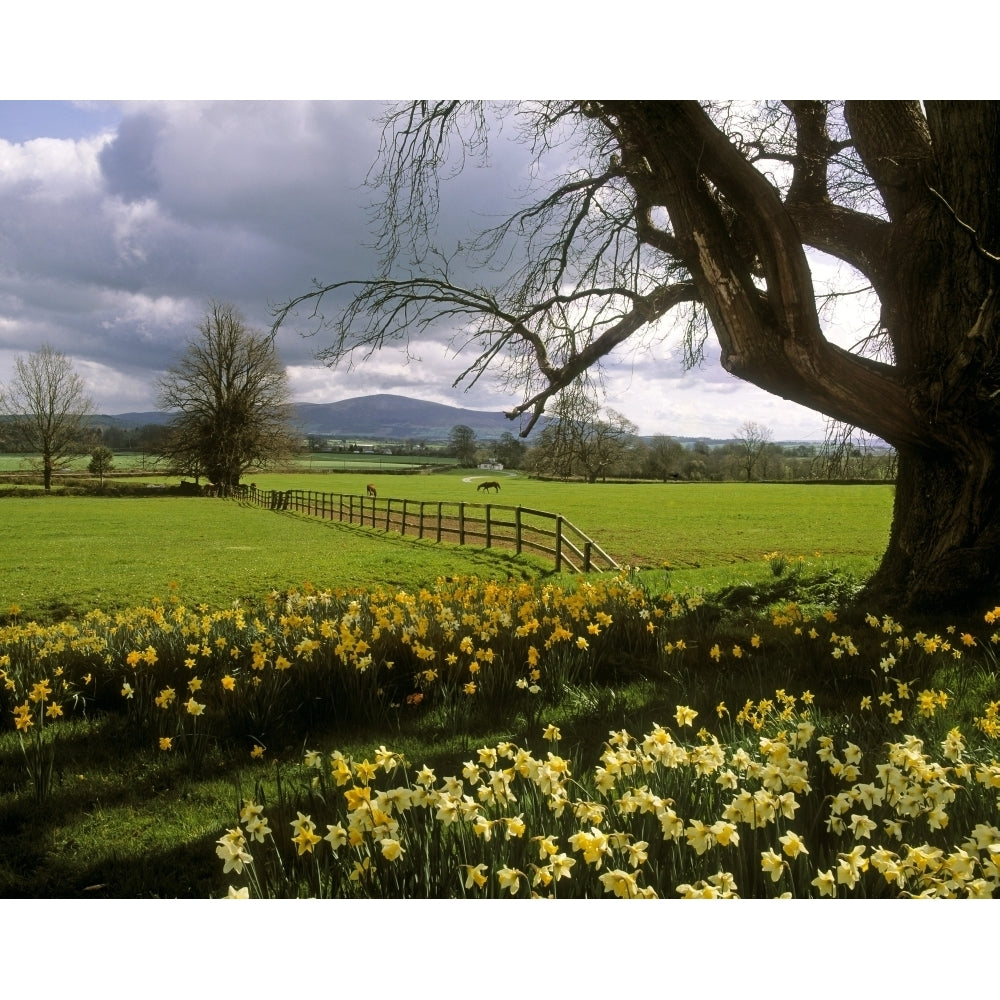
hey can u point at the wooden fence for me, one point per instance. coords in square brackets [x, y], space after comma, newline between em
[491, 525]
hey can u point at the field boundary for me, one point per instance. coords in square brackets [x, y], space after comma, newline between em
[520, 529]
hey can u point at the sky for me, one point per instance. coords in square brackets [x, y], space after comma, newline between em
[121, 218]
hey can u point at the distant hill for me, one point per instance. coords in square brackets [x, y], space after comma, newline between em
[383, 416]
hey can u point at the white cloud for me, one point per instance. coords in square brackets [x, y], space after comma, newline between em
[114, 242]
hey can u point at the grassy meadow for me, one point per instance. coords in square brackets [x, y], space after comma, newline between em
[203, 698]
[65, 555]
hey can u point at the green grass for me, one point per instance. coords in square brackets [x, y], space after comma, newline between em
[710, 534]
[65, 555]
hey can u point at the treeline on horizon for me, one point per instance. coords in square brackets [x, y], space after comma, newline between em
[659, 458]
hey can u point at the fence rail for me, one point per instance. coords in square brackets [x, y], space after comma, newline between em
[491, 525]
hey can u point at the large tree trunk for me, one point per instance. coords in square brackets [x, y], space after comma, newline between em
[934, 264]
[944, 547]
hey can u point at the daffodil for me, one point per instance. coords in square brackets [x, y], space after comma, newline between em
[825, 883]
[232, 850]
[475, 875]
[306, 839]
[772, 864]
[560, 865]
[792, 844]
[392, 849]
[510, 879]
[685, 716]
[621, 883]
[40, 691]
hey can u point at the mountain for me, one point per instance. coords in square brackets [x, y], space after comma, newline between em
[389, 416]
[383, 416]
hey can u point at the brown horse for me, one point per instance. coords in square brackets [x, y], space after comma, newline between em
[491, 484]
[371, 490]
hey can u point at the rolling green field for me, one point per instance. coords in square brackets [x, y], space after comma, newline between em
[63, 556]
[703, 530]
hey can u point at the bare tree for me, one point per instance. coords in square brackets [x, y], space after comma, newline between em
[231, 399]
[751, 440]
[851, 453]
[580, 440]
[47, 409]
[703, 212]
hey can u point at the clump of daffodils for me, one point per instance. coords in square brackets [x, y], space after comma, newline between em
[658, 815]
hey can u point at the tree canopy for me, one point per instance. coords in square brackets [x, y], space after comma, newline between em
[718, 216]
[231, 401]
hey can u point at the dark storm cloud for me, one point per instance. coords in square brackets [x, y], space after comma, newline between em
[128, 162]
[113, 241]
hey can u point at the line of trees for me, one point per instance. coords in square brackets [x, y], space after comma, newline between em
[581, 441]
[230, 400]
[228, 394]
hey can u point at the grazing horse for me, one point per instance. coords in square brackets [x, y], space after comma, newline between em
[371, 490]
[491, 484]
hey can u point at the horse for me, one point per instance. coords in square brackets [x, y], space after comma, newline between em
[371, 490]
[490, 484]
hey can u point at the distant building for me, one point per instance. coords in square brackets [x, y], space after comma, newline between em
[492, 466]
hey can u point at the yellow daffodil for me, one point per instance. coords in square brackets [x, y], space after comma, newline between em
[392, 849]
[510, 879]
[792, 844]
[825, 883]
[475, 875]
[772, 864]
[685, 716]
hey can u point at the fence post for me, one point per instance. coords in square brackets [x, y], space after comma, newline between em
[559, 521]
[517, 530]
[402, 526]
[440, 518]
[461, 523]
[420, 523]
[489, 526]
[587, 546]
